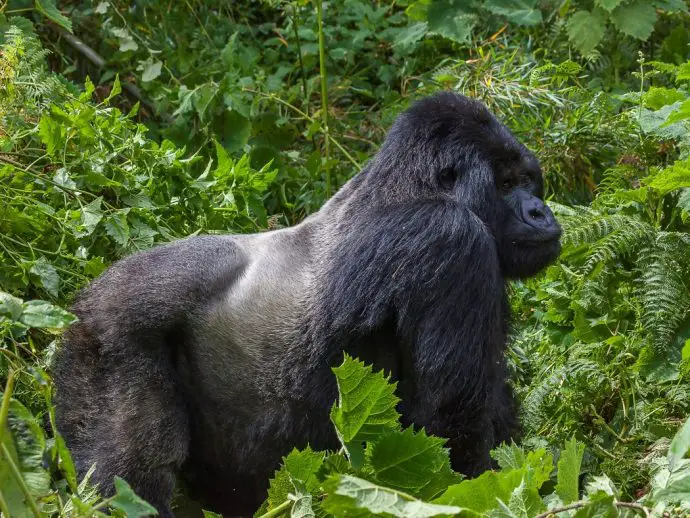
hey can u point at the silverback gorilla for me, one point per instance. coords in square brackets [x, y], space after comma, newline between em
[210, 357]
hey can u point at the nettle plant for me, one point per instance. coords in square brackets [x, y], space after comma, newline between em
[384, 469]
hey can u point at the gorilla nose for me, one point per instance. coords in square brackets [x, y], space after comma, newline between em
[536, 214]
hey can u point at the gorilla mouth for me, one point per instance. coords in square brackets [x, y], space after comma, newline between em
[537, 240]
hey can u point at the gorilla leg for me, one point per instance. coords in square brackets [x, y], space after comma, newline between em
[123, 411]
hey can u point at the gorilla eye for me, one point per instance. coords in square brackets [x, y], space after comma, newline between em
[507, 184]
[447, 177]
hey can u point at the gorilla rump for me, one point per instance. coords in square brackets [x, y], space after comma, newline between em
[210, 357]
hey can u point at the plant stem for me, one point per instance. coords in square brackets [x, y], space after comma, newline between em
[582, 503]
[295, 26]
[324, 93]
[17, 475]
[285, 506]
[5, 407]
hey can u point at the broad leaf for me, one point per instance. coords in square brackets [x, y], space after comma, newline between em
[50, 11]
[351, 496]
[568, 486]
[129, 502]
[482, 494]
[586, 29]
[519, 12]
[672, 178]
[636, 19]
[450, 19]
[408, 461]
[42, 314]
[116, 227]
[365, 408]
[47, 274]
[298, 466]
[609, 5]
[680, 445]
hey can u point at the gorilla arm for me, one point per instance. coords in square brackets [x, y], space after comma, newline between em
[433, 268]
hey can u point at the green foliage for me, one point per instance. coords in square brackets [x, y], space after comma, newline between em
[226, 132]
[400, 465]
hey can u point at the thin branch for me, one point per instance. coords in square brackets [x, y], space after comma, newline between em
[582, 503]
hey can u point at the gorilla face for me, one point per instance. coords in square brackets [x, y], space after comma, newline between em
[528, 237]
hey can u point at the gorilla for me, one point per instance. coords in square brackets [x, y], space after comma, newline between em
[211, 356]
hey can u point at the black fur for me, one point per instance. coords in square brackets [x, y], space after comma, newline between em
[211, 356]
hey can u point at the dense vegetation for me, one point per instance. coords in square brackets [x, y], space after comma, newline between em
[165, 119]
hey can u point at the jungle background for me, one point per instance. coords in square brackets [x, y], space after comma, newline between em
[128, 124]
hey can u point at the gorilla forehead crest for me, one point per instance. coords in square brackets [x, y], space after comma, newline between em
[446, 130]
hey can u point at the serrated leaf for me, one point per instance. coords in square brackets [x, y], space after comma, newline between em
[129, 502]
[602, 507]
[568, 487]
[680, 445]
[50, 133]
[677, 176]
[365, 408]
[519, 12]
[352, 496]
[635, 19]
[657, 97]
[117, 228]
[671, 5]
[680, 114]
[653, 122]
[91, 215]
[609, 5]
[677, 491]
[298, 466]
[450, 19]
[50, 11]
[23, 441]
[47, 274]
[525, 501]
[407, 461]
[42, 314]
[482, 494]
[586, 29]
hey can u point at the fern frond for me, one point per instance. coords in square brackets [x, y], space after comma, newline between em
[621, 242]
[662, 289]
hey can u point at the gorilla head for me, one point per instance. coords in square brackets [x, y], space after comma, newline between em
[210, 357]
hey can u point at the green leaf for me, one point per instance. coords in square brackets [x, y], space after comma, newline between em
[677, 491]
[602, 507]
[671, 5]
[677, 176]
[211, 514]
[50, 11]
[609, 5]
[236, 131]
[23, 444]
[680, 445]
[586, 29]
[365, 408]
[116, 227]
[635, 19]
[680, 114]
[127, 501]
[10, 306]
[298, 466]
[685, 353]
[91, 216]
[152, 69]
[44, 315]
[450, 19]
[481, 494]
[568, 487]
[50, 133]
[115, 90]
[519, 12]
[351, 496]
[47, 274]
[525, 501]
[657, 97]
[408, 461]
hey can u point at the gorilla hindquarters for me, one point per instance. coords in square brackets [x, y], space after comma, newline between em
[210, 356]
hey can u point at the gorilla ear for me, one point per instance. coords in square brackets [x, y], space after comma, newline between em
[447, 177]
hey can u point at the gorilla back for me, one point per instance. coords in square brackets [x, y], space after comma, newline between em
[210, 357]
